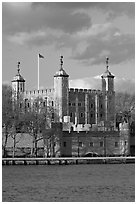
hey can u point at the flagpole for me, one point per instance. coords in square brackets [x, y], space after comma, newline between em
[38, 71]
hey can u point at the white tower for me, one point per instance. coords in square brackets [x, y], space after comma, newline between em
[61, 88]
[109, 93]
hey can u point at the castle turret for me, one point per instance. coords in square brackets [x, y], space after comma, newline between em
[107, 79]
[18, 84]
[61, 86]
[109, 94]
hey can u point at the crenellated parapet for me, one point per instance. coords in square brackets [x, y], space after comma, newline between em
[36, 93]
[89, 91]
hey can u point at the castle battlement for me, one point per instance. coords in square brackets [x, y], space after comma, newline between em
[93, 91]
[39, 92]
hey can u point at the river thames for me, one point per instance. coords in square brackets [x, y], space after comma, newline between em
[69, 183]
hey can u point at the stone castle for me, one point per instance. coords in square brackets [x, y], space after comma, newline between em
[85, 118]
[79, 106]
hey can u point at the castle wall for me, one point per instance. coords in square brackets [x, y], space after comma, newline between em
[103, 143]
[86, 106]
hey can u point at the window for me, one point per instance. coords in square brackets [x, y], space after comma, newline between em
[91, 105]
[91, 144]
[21, 87]
[125, 142]
[79, 104]
[28, 105]
[116, 144]
[52, 103]
[44, 104]
[101, 106]
[64, 144]
[52, 116]
[71, 115]
[20, 105]
[101, 115]
[101, 144]
[91, 115]
[73, 104]
[80, 144]
[81, 115]
[69, 104]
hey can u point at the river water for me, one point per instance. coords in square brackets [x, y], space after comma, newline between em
[73, 183]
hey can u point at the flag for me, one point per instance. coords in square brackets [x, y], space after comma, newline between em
[40, 56]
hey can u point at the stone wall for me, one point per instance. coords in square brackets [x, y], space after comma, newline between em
[79, 143]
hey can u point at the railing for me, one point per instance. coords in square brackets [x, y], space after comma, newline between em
[67, 160]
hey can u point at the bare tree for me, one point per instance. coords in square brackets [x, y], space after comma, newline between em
[12, 118]
[7, 115]
[38, 118]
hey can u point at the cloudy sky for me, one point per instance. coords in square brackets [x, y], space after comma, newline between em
[84, 33]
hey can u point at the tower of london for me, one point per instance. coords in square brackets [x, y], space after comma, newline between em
[79, 106]
[85, 118]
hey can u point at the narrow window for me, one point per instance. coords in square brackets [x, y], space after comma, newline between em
[91, 105]
[21, 87]
[81, 115]
[91, 115]
[69, 104]
[101, 144]
[125, 142]
[28, 105]
[101, 115]
[91, 144]
[64, 144]
[52, 116]
[116, 144]
[44, 104]
[71, 115]
[52, 103]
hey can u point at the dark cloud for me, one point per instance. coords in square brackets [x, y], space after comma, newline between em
[59, 23]
[64, 5]
[43, 17]
[114, 8]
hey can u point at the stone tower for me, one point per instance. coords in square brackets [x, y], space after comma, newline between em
[18, 84]
[108, 94]
[61, 88]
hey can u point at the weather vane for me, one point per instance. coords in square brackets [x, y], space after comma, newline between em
[61, 61]
[18, 69]
[107, 58]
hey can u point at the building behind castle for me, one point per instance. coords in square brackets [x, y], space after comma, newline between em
[87, 116]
